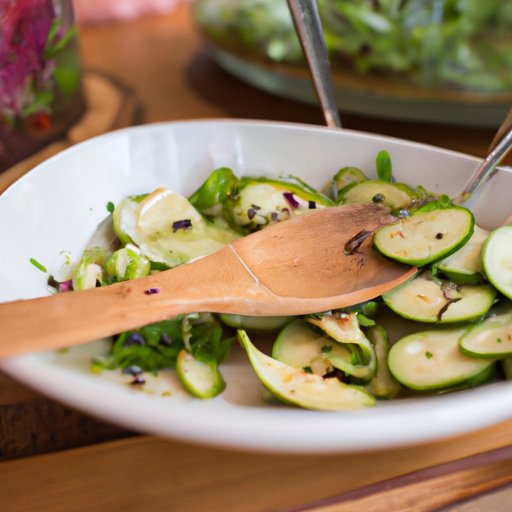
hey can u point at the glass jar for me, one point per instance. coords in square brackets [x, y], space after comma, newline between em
[40, 80]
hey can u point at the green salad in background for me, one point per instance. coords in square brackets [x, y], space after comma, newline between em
[442, 44]
[459, 301]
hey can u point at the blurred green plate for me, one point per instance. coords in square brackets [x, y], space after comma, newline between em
[369, 96]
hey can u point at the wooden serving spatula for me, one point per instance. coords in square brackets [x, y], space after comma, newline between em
[316, 262]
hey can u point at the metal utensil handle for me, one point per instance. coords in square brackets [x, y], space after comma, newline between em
[309, 28]
[487, 168]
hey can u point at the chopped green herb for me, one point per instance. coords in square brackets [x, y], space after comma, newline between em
[38, 265]
[96, 368]
[499, 340]
[326, 348]
[110, 207]
[384, 168]
[307, 369]
[143, 348]
[440, 203]
[429, 355]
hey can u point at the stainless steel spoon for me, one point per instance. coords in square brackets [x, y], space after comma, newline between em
[309, 28]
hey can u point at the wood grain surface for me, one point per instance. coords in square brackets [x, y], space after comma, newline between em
[152, 475]
[433, 488]
[162, 59]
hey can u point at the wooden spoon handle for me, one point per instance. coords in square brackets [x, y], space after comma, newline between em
[217, 283]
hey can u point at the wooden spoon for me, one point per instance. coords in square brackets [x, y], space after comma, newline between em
[295, 267]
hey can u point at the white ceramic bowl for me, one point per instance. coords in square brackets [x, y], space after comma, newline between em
[50, 213]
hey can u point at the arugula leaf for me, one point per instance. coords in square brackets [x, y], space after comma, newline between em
[152, 348]
[156, 346]
[203, 338]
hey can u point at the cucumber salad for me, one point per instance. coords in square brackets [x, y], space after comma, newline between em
[456, 309]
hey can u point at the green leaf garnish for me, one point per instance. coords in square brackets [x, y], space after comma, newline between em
[441, 203]
[384, 167]
[38, 265]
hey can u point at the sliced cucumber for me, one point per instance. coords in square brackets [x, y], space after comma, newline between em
[344, 328]
[124, 217]
[168, 229]
[301, 388]
[199, 379]
[262, 201]
[301, 346]
[432, 300]
[497, 260]
[383, 384]
[431, 360]
[425, 236]
[346, 177]
[255, 323]
[394, 195]
[465, 265]
[491, 338]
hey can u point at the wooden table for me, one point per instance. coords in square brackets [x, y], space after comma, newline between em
[163, 60]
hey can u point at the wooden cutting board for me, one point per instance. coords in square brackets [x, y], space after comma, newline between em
[153, 475]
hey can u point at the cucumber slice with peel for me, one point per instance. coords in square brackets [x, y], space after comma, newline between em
[301, 388]
[432, 300]
[431, 360]
[124, 217]
[383, 384]
[263, 201]
[344, 328]
[497, 259]
[301, 346]
[426, 236]
[200, 379]
[346, 177]
[393, 195]
[465, 265]
[491, 338]
[255, 323]
[167, 228]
